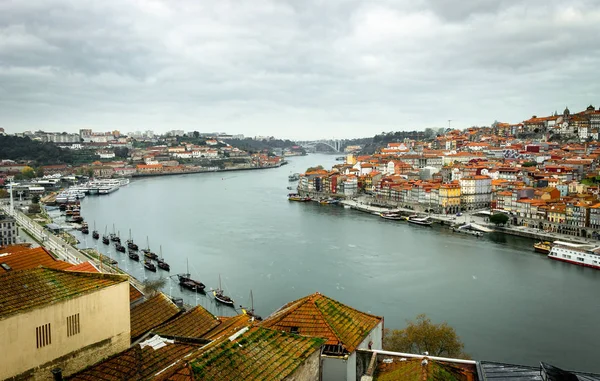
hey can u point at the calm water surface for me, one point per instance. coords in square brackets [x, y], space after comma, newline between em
[507, 303]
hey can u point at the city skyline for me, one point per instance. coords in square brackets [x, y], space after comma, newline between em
[294, 71]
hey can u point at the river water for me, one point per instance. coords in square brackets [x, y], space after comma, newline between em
[507, 303]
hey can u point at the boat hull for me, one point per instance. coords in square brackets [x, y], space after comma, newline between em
[223, 301]
[541, 250]
[574, 262]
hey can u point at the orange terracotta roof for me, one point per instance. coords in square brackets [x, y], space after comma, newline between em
[134, 293]
[229, 326]
[23, 290]
[319, 316]
[137, 363]
[151, 313]
[193, 323]
[85, 267]
[31, 258]
[15, 248]
[259, 354]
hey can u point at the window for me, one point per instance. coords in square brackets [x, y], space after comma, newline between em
[295, 330]
[43, 335]
[581, 259]
[73, 325]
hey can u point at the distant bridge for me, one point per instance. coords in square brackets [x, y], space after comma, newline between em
[334, 144]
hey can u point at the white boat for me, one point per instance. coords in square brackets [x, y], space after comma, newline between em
[425, 221]
[123, 181]
[578, 254]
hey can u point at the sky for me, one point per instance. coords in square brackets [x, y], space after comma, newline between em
[298, 69]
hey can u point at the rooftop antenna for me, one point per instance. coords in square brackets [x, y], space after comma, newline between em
[449, 120]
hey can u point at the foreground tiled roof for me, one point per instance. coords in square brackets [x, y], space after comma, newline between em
[137, 363]
[29, 259]
[193, 323]
[413, 370]
[134, 293]
[151, 313]
[85, 267]
[259, 354]
[319, 316]
[27, 289]
[229, 326]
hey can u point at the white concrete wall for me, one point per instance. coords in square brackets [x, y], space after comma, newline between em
[335, 369]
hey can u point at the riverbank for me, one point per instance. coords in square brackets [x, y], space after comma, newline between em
[453, 221]
[188, 172]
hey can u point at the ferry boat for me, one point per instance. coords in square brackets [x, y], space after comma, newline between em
[543, 247]
[294, 177]
[392, 216]
[579, 254]
[297, 197]
[420, 221]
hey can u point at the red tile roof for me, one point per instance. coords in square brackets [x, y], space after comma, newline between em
[85, 267]
[260, 354]
[151, 313]
[193, 323]
[229, 326]
[23, 290]
[134, 293]
[319, 316]
[138, 363]
[31, 258]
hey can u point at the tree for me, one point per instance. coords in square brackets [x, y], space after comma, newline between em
[529, 164]
[35, 199]
[34, 208]
[499, 218]
[153, 286]
[4, 193]
[39, 172]
[312, 169]
[28, 172]
[421, 335]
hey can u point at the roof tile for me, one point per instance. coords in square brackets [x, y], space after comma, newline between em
[151, 313]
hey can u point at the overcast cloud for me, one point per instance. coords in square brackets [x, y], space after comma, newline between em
[297, 69]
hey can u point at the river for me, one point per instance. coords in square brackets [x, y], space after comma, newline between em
[507, 303]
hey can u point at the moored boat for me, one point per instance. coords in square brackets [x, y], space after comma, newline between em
[84, 228]
[579, 254]
[297, 197]
[250, 311]
[130, 244]
[425, 221]
[543, 247]
[147, 252]
[133, 255]
[220, 296]
[148, 265]
[106, 237]
[186, 281]
[95, 234]
[161, 262]
[395, 216]
[119, 247]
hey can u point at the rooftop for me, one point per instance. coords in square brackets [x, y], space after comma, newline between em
[258, 354]
[317, 315]
[26, 258]
[151, 313]
[194, 323]
[23, 290]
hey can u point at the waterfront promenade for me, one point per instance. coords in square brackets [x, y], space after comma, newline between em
[363, 205]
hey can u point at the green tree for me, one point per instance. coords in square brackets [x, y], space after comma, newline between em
[529, 164]
[34, 208]
[35, 199]
[28, 172]
[4, 193]
[421, 335]
[312, 169]
[499, 219]
[39, 172]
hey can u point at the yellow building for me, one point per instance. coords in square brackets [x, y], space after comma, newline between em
[350, 159]
[449, 197]
[60, 319]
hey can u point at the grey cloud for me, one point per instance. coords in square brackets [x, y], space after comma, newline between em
[297, 69]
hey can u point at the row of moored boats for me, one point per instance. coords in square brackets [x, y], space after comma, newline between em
[99, 186]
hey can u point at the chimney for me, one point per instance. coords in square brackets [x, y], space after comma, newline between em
[57, 374]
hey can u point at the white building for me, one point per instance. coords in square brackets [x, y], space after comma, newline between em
[476, 192]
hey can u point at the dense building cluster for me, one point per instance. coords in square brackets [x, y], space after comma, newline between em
[539, 183]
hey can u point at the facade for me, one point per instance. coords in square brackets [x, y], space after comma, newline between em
[449, 197]
[476, 192]
[63, 319]
[8, 230]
